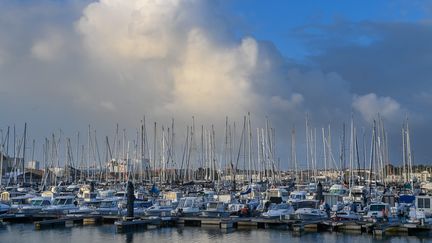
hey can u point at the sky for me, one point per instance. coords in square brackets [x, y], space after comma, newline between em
[67, 64]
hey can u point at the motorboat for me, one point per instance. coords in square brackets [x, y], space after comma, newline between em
[215, 209]
[424, 203]
[4, 208]
[338, 189]
[140, 206]
[346, 215]
[188, 206]
[277, 194]
[234, 208]
[86, 207]
[310, 214]
[20, 201]
[421, 212]
[377, 211]
[304, 204]
[106, 193]
[358, 194]
[278, 210]
[109, 206]
[61, 205]
[296, 196]
[36, 205]
[162, 207]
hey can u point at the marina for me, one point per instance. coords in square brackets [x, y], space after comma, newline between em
[215, 121]
[304, 219]
[134, 192]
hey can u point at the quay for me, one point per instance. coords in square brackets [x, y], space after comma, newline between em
[127, 225]
[67, 221]
[124, 224]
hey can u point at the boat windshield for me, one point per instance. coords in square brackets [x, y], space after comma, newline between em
[279, 206]
[377, 208]
[18, 201]
[62, 201]
[181, 203]
[273, 193]
[212, 206]
[188, 203]
[107, 204]
[298, 196]
[338, 191]
[37, 202]
[164, 203]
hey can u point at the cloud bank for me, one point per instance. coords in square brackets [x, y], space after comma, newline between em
[69, 64]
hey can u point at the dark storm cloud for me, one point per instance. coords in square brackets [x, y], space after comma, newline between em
[390, 59]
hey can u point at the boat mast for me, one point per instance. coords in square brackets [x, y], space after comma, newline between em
[1, 163]
[24, 149]
[154, 152]
[294, 153]
[249, 149]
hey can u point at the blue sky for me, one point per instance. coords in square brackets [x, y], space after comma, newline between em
[275, 20]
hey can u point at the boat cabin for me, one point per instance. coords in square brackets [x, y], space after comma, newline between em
[216, 206]
[338, 189]
[297, 196]
[21, 200]
[281, 193]
[40, 201]
[64, 200]
[423, 203]
[378, 210]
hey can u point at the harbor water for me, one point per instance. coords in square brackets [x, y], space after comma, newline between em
[12, 233]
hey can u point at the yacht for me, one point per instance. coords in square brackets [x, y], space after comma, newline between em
[235, 208]
[278, 210]
[377, 211]
[86, 207]
[140, 206]
[358, 195]
[162, 207]
[20, 201]
[109, 206]
[215, 209]
[277, 194]
[338, 189]
[188, 206]
[4, 208]
[310, 214]
[62, 205]
[36, 205]
[421, 212]
[346, 215]
[296, 196]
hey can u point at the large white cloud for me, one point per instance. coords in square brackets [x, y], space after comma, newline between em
[113, 61]
[370, 105]
[175, 57]
[49, 48]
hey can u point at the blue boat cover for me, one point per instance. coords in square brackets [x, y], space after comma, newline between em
[406, 199]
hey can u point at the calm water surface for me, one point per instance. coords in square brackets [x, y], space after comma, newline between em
[106, 234]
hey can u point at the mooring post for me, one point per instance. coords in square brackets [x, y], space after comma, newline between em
[130, 201]
[92, 186]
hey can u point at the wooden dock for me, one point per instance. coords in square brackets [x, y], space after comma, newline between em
[128, 225]
[46, 221]
[26, 218]
[67, 221]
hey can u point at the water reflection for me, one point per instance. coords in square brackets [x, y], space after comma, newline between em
[106, 234]
[129, 237]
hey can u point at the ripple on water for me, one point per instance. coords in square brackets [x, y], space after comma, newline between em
[106, 234]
